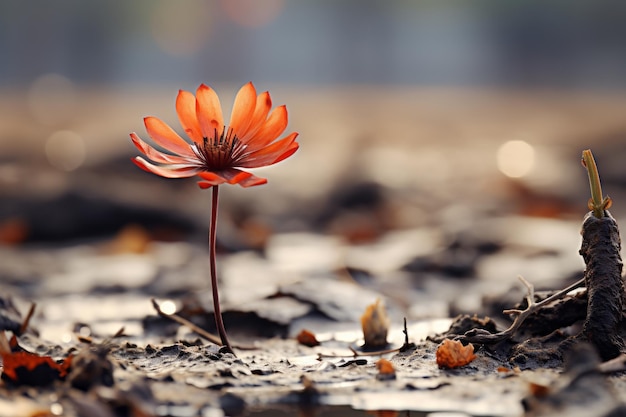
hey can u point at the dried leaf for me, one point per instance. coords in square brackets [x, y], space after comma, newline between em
[452, 354]
[25, 368]
[375, 325]
[385, 369]
[307, 338]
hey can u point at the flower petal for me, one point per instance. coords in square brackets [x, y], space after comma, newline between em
[288, 152]
[210, 179]
[263, 106]
[166, 137]
[230, 176]
[155, 155]
[251, 181]
[209, 111]
[243, 109]
[273, 153]
[243, 178]
[271, 129]
[186, 110]
[170, 171]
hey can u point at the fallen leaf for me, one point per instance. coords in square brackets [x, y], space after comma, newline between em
[452, 354]
[385, 369]
[307, 338]
[25, 368]
[375, 324]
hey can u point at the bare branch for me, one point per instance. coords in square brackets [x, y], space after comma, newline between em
[484, 337]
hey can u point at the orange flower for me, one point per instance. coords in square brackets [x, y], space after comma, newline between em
[217, 152]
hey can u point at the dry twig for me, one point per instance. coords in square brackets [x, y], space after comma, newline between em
[184, 322]
[483, 337]
[406, 346]
[26, 321]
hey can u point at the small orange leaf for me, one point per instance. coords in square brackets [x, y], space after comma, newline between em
[385, 369]
[307, 338]
[452, 354]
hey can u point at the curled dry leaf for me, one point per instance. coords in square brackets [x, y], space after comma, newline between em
[385, 369]
[375, 325]
[25, 368]
[307, 338]
[20, 367]
[452, 354]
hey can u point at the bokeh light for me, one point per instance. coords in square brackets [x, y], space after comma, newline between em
[56, 409]
[65, 150]
[515, 158]
[168, 307]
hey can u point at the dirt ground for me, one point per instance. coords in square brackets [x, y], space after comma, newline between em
[397, 198]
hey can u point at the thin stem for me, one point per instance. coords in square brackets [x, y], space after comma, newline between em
[597, 203]
[219, 322]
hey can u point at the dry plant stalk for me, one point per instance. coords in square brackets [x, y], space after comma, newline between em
[600, 249]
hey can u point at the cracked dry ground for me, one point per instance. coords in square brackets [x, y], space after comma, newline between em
[314, 261]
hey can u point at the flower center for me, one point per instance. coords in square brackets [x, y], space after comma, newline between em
[220, 152]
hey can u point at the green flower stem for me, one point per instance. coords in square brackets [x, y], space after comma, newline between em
[219, 322]
[597, 203]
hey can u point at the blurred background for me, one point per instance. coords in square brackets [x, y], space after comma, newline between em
[568, 44]
[411, 113]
